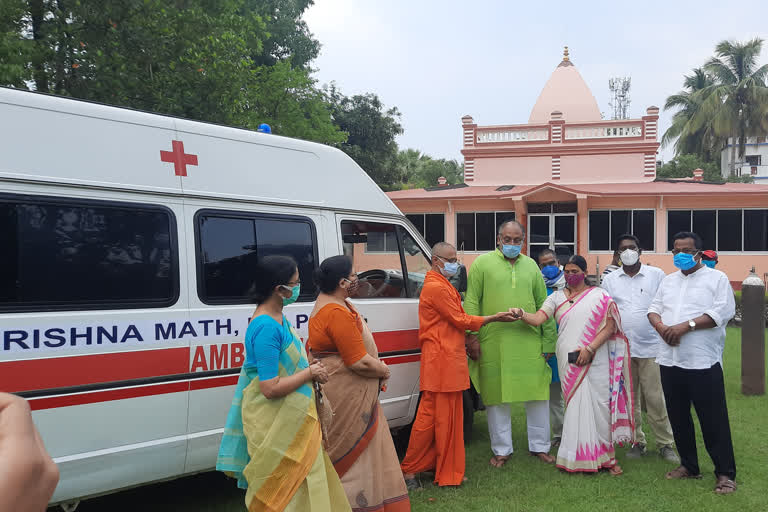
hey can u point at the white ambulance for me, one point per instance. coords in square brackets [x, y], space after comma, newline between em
[128, 240]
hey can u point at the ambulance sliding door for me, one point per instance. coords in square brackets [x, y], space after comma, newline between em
[95, 284]
[391, 265]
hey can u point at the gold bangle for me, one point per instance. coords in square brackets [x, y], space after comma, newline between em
[590, 350]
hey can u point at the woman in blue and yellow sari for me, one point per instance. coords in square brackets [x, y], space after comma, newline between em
[272, 440]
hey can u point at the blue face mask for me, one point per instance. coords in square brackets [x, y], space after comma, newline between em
[684, 261]
[511, 251]
[550, 271]
[449, 269]
[709, 263]
[294, 294]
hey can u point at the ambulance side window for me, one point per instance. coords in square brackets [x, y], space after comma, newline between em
[230, 243]
[64, 254]
[386, 258]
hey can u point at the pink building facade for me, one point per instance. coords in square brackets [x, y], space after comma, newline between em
[577, 182]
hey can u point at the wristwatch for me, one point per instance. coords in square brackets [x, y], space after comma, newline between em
[692, 325]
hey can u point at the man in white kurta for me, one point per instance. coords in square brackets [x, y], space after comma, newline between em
[633, 286]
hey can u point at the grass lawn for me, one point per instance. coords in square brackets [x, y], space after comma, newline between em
[525, 484]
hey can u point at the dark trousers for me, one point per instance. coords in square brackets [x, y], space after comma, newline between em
[706, 391]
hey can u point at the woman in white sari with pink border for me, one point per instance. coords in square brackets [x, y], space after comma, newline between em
[597, 387]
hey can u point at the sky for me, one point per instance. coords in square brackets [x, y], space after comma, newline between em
[437, 60]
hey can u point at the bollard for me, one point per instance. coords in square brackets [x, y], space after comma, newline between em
[753, 335]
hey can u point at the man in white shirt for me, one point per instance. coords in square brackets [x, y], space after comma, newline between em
[633, 286]
[690, 313]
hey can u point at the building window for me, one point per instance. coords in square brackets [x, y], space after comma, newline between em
[230, 244]
[477, 231]
[722, 230]
[60, 254]
[753, 159]
[605, 226]
[430, 225]
[381, 242]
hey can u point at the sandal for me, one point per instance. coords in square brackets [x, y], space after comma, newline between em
[615, 470]
[680, 473]
[725, 485]
[412, 484]
[498, 461]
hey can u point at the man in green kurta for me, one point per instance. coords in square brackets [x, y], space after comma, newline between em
[511, 366]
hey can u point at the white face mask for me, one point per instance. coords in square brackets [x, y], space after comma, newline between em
[629, 257]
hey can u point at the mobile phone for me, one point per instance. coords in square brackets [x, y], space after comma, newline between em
[573, 357]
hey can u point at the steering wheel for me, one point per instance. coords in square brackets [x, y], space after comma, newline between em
[375, 274]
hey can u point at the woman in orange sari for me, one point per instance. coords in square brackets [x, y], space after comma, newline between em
[358, 439]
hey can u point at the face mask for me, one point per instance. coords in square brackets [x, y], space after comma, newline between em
[449, 269]
[574, 279]
[709, 263]
[294, 294]
[550, 271]
[684, 261]
[511, 251]
[629, 257]
[353, 286]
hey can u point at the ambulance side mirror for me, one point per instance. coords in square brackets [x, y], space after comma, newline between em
[459, 281]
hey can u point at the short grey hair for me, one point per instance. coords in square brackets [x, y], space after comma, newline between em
[442, 245]
[504, 224]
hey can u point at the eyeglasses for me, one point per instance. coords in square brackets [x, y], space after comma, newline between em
[452, 260]
[514, 241]
[692, 252]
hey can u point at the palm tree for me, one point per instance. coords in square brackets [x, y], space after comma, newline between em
[688, 102]
[736, 105]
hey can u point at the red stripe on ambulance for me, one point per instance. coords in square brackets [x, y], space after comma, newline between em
[61, 372]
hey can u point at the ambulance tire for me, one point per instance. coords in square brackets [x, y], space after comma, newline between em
[469, 414]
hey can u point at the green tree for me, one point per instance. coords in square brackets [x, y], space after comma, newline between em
[211, 61]
[736, 105]
[688, 103]
[372, 130]
[682, 166]
[288, 37]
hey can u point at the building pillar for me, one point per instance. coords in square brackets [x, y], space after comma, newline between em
[521, 216]
[582, 224]
[661, 226]
[450, 224]
[469, 129]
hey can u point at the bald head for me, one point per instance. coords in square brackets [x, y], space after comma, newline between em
[442, 252]
[510, 223]
[441, 247]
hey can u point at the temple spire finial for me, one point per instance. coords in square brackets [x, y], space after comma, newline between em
[566, 59]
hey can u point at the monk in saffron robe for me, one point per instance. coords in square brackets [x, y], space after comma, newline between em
[437, 436]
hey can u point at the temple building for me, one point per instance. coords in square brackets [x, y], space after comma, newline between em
[577, 182]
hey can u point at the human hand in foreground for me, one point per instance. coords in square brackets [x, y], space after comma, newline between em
[318, 371]
[517, 312]
[28, 475]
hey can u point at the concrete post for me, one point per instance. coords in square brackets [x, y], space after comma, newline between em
[753, 335]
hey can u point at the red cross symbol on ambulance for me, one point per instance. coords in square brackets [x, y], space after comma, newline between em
[179, 159]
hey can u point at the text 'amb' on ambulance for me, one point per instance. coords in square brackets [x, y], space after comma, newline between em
[127, 243]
